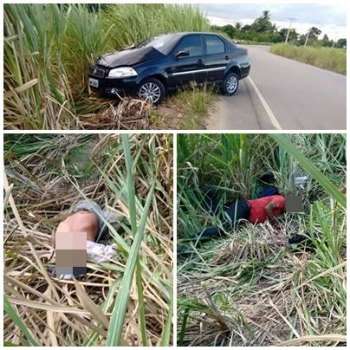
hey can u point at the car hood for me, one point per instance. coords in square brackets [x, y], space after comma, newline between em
[129, 57]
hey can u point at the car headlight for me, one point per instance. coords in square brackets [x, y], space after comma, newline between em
[122, 72]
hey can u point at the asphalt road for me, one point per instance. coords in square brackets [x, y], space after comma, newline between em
[283, 94]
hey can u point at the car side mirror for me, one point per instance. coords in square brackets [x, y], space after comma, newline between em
[184, 53]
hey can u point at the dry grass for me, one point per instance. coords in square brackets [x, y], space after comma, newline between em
[124, 114]
[252, 289]
[46, 175]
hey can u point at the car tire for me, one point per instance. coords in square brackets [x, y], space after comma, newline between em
[151, 90]
[230, 84]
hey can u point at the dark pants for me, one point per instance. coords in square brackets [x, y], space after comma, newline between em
[230, 213]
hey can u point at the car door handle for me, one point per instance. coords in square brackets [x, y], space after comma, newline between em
[200, 62]
[227, 58]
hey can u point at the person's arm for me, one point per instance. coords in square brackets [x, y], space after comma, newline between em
[269, 210]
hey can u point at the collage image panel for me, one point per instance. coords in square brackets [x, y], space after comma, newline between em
[261, 240]
[239, 66]
[174, 174]
[88, 240]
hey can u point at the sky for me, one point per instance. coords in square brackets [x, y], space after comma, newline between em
[331, 19]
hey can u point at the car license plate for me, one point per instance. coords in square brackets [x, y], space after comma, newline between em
[93, 82]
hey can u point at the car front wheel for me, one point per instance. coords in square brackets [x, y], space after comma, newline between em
[152, 91]
[230, 84]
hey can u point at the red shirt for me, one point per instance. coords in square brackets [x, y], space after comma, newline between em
[258, 212]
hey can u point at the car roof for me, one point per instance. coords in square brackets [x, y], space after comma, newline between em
[188, 33]
[179, 35]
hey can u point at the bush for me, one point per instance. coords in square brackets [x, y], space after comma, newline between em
[323, 57]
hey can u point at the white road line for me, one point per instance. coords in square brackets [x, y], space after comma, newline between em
[266, 106]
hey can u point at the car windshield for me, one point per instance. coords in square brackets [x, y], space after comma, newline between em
[162, 43]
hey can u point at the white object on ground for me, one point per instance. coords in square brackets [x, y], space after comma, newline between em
[66, 276]
[98, 252]
[95, 252]
[300, 181]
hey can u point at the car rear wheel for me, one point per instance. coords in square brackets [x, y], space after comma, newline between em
[230, 84]
[151, 90]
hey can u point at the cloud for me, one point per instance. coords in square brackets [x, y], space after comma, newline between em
[331, 19]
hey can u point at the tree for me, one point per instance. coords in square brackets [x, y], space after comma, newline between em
[325, 41]
[229, 29]
[246, 28]
[314, 32]
[312, 35]
[263, 23]
[238, 26]
[341, 43]
[293, 35]
[263, 30]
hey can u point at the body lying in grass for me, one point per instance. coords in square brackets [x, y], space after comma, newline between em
[85, 218]
[268, 205]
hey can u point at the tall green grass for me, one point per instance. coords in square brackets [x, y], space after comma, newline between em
[48, 48]
[232, 163]
[323, 57]
[120, 307]
[134, 23]
[250, 288]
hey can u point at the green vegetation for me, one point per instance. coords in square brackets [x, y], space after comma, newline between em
[322, 57]
[250, 287]
[48, 49]
[262, 30]
[185, 110]
[193, 105]
[127, 301]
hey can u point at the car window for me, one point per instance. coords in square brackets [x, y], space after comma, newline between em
[162, 43]
[214, 45]
[191, 43]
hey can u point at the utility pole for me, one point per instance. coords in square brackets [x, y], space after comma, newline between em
[289, 29]
[307, 37]
[334, 41]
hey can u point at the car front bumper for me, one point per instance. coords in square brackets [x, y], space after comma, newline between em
[111, 86]
[244, 69]
[100, 82]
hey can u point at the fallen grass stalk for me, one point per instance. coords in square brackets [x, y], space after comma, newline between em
[314, 338]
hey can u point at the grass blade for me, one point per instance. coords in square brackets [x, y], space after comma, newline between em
[165, 340]
[11, 312]
[309, 167]
[132, 212]
[117, 320]
[186, 313]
